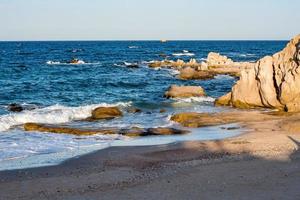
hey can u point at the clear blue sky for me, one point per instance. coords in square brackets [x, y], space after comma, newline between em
[148, 19]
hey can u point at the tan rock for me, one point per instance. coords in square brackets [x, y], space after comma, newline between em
[273, 82]
[66, 130]
[196, 120]
[224, 100]
[184, 91]
[105, 113]
[189, 73]
[215, 59]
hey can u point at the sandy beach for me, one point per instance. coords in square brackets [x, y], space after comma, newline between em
[262, 163]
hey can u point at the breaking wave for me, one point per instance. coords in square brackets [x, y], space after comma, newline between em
[55, 114]
[195, 99]
[183, 53]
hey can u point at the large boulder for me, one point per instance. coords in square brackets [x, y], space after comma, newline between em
[184, 91]
[105, 113]
[273, 82]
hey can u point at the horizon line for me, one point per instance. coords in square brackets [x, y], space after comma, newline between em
[137, 40]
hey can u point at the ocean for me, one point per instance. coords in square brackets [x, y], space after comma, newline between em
[37, 76]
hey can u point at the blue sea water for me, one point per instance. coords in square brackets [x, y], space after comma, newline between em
[36, 75]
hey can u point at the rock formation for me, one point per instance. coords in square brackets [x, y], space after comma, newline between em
[184, 91]
[215, 59]
[196, 120]
[273, 82]
[132, 132]
[215, 64]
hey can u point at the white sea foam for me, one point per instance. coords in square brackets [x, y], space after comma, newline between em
[194, 99]
[183, 53]
[223, 77]
[245, 55]
[79, 62]
[53, 115]
[130, 64]
[133, 47]
[53, 62]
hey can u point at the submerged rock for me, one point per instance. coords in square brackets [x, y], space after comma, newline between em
[273, 82]
[133, 132]
[184, 91]
[105, 113]
[162, 110]
[134, 110]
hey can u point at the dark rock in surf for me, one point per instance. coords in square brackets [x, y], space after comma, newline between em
[15, 107]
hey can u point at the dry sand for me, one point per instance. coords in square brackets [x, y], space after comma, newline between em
[263, 163]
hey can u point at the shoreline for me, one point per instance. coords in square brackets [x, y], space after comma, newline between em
[28, 163]
[184, 168]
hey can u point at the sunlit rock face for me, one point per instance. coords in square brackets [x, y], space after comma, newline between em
[273, 82]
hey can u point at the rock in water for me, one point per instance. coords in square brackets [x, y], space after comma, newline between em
[15, 107]
[132, 132]
[190, 73]
[134, 110]
[273, 82]
[66, 130]
[105, 113]
[184, 91]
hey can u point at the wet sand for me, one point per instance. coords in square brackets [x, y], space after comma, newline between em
[263, 163]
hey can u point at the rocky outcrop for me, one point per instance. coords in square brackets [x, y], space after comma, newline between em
[184, 91]
[215, 64]
[273, 82]
[101, 113]
[132, 132]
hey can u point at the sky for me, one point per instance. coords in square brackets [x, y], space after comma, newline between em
[149, 20]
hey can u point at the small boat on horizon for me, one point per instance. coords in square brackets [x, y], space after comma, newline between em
[163, 41]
